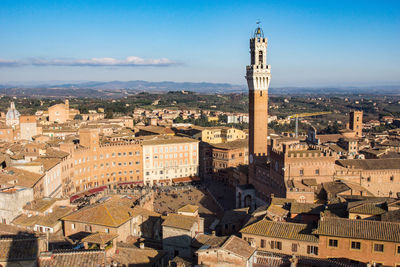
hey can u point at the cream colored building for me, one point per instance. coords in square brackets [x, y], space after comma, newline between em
[168, 157]
[216, 135]
[61, 113]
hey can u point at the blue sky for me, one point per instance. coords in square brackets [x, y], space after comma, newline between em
[313, 43]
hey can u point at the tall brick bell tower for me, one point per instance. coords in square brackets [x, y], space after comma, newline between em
[258, 75]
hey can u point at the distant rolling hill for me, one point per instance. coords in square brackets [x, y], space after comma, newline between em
[202, 87]
[115, 89]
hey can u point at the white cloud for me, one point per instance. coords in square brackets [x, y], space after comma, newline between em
[131, 61]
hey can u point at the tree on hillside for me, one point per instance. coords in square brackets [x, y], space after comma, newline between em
[78, 117]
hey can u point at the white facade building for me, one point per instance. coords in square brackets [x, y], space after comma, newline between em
[168, 157]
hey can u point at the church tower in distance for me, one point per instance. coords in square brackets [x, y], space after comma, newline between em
[258, 75]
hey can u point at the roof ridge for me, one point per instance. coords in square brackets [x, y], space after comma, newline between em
[362, 221]
[112, 219]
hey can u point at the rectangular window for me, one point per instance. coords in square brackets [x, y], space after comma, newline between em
[378, 247]
[312, 250]
[73, 226]
[355, 245]
[398, 250]
[294, 247]
[262, 243]
[301, 172]
[276, 245]
[333, 243]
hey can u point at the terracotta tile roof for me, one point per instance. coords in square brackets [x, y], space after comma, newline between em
[54, 153]
[164, 140]
[180, 261]
[285, 230]
[211, 241]
[189, 208]
[99, 238]
[310, 182]
[368, 209]
[156, 129]
[113, 213]
[277, 210]
[240, 143]
[54, 217]
[72, 258]
[239, 247]
[329, 137]
[25, 221]
[144, 212]
[337, 148]
[371, 164]
[48, 163]
[19, 177]
[335, 188]
[40, 205]
[16, 247]
[130, 256]
[49, 219]
[179, 221]
[391, 216]
[8, 229]
[361, 229]
[297, 208]
[356, 187]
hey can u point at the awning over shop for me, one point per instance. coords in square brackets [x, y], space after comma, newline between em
[186, 179]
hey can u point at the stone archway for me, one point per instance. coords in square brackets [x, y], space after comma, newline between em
[245, 196]
[247, 201]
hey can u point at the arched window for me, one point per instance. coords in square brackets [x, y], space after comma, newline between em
[260, 57]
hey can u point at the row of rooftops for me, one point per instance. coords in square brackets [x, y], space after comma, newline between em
[327, 226]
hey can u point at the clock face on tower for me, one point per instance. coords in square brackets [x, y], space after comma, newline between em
[251, 158]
